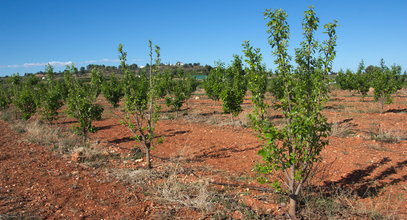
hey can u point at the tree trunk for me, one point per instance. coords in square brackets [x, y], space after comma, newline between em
[382, 105]
[147, 148]
[85, 134]
[293, 197]
[293, 207]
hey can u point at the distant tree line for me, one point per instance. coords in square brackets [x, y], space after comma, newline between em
[189, 68]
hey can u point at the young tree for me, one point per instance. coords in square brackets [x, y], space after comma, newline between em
[178, 88]
[362, 80]
[5, 97]
[234, 87]
[80, 105]
[25, 99]
[14, 80]
[96, 81]
[214, 81]
[141, 93]
[49, 71]
[50, 102]
[291, 150]
[50, 96]
[112, 90]
[346, 80]
[386, 81]
[257, 78]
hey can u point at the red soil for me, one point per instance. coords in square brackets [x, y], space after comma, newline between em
[36, 182]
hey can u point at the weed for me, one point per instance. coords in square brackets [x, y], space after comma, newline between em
[341, 130]
[339, 203]
[7, 115]
[93, 157]
[19, 127]
[387, 136]
[42, 134]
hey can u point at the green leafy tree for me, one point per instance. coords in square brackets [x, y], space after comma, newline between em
[257, 77]
[234, 87]
[49, 71]
[275, 87]
[362, 80]
[14, 80]
[141, 94]
[5, 97]
[163, 83]
[386, 81]
[179, 88]
[80, 105]
[112, 90]
[96, 81]
[50, 97]
[50, 102]
[292, 150]
[25, 99]
[31, 80]
[346, 80]
[213, 83]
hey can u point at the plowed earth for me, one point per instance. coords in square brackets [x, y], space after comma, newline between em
[35, 183]
[367, 155]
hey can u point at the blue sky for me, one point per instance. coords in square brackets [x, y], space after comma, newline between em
[34, 33]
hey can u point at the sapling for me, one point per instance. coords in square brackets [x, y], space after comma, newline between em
[96, 81]
[25, 99]
[178, 88]
[112, 89]
[5, 97]
[292, 149]
[213, 83]
[81, 105]
[257, 78]
[51, 97]
[386, 81]
[234, 87]
[141, 109]
[362, 80]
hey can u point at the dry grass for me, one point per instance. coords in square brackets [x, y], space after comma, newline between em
[7, 115]
[93, 157]
[341, 130]
[42, 134]
[46, 135]
[387, 136]
[195, 195]
[338, 203]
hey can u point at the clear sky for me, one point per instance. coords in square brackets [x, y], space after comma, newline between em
[34, 33]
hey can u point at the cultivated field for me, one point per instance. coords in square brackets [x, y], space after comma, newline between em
[202, 166]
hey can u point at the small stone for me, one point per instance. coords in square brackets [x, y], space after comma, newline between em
[237, 215]
[77, 155]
